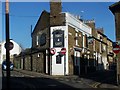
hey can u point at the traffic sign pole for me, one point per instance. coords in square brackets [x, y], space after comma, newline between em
[7, 45]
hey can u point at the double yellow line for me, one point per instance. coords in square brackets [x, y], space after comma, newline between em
[94, 85]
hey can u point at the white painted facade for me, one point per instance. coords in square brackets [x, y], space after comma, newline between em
[62, 69]
[16, 50]
[59, 69]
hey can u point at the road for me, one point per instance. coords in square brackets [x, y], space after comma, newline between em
[23, 81]
[33, 80]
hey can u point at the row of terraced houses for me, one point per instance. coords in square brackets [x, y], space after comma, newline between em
[63, 44]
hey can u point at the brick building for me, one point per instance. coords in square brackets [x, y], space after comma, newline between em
[115, 9]
[62, 44]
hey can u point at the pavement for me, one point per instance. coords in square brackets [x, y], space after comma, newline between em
[89, 81]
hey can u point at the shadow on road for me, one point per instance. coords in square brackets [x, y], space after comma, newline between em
[32, 83]
[108, 77]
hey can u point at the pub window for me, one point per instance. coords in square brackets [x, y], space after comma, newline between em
[58, 59]
[42, 39]
[86, 41]
[58, 38]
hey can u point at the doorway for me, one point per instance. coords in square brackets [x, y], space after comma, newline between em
[76, 63]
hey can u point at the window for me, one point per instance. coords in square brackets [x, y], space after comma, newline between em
[42, 39]
[58, 59]
[58, 38]
[37, 40]
[76, 40]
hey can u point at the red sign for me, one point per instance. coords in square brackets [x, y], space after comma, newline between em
[63, 51]
[116, 49]
[52, 51]
[11, 45]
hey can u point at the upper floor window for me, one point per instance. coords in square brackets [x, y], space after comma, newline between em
[42, 39]
[76, 39]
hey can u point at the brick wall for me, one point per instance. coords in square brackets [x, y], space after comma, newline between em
[71, 43]
[41, 26]
[117, 21]
[56, 17]
[37, 63]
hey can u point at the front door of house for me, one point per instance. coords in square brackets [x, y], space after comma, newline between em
[77, 63]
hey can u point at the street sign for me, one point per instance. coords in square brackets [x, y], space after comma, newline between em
[63, 51]
[52, 51]
[11, 45]
[116, 49]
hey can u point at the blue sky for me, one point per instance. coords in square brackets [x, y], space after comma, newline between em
[23, 15]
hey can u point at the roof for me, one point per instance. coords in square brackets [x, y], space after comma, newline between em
[115, 7]
[110, 40]
[38, 22]
[101, 33]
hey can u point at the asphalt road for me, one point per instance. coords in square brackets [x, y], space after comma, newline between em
[32, 81]
[23, 81]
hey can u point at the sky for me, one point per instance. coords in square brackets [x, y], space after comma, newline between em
[25, 14]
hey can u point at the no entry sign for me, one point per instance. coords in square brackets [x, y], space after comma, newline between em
[116, 49]
[63, 51]
[52, 51]
[11, 45]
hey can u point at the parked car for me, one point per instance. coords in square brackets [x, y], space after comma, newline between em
[4, 66]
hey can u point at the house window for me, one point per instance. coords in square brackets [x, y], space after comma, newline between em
[76, 40]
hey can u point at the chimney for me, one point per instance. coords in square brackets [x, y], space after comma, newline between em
[55, 13]
[91, 23]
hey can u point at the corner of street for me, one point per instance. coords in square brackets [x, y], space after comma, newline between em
[39, 80]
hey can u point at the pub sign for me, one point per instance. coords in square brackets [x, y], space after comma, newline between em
[58, 38]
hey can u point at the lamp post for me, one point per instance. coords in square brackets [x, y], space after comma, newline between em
[7, 44]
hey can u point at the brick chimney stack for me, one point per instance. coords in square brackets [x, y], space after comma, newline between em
[55, 13]
[91, 23]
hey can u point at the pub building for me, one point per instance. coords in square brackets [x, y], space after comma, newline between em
[59, 45]
[65, 35]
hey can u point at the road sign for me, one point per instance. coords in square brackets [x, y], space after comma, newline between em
[11, 45]
[63, 51]
[52, 51]
[116, 49]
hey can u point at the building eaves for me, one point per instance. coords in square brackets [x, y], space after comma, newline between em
[102, 34]
[114, 7]
[110, 40]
